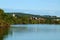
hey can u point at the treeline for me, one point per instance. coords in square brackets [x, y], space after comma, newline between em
[26, 19]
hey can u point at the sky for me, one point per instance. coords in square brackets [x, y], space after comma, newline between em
[50, 7]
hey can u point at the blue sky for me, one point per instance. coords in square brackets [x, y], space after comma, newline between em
[53, 6]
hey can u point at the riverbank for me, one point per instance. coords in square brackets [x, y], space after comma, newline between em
[4, 26]
[3, 30]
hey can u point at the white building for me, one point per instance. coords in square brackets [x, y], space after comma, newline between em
[13, 15]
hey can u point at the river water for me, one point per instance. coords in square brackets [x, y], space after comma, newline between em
[34, 32]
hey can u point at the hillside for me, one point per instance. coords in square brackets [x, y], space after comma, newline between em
[32, 15]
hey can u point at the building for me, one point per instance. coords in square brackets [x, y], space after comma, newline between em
[13, 15]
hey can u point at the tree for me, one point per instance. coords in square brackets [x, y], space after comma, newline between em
[4, 26]
[1, 11]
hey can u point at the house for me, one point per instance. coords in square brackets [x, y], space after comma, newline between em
[35, 18]
[13, 15]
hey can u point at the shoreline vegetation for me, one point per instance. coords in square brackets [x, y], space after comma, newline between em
[23, 18]
[4, 26]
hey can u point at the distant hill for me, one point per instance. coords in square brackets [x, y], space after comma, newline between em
[31, 15]
[23, 14]
[36, 12]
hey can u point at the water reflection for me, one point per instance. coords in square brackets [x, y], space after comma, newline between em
[32, 29]
[34, 32]
[3, 32]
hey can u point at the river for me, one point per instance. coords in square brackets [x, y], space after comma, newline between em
[34, 32]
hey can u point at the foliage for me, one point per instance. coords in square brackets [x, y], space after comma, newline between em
[24, 19]
[4, 26]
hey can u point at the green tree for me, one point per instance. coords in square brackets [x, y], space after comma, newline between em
[1, 11]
